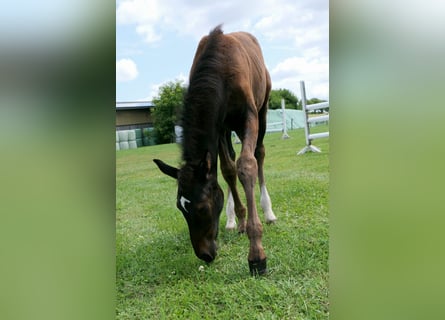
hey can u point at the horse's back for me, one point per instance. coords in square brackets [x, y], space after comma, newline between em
[244, 47]
[238, 59]
[247, 67]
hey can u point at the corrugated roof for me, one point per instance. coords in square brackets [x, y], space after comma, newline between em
[131, 105]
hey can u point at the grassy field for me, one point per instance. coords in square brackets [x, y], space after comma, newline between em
[158, 275]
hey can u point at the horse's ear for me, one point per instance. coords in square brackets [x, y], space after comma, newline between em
[165, 168]
[208, 162]
[205, 165]
[203, 170]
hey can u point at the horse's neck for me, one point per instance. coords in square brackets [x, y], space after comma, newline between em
[200, 138]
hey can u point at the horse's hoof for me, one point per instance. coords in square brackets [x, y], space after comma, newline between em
[258, 268]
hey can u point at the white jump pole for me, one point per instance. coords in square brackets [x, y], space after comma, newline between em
[309, 137]
[283, 113]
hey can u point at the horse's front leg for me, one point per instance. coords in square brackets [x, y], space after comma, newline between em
[247, 169]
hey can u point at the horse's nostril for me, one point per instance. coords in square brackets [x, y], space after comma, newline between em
[206, 257]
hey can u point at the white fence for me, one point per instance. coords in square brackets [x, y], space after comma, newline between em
[279, 126]
[276, 126]
[310, 121]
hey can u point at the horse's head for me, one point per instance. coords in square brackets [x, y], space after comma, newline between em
[200, 199]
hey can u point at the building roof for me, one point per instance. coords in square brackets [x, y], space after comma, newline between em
[133, 105]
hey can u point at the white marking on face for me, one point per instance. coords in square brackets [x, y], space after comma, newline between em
[183, 201]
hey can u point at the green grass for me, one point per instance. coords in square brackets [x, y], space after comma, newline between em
[157, 271]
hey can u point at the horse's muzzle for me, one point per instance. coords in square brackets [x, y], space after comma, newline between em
[207, 257]
[207, 253]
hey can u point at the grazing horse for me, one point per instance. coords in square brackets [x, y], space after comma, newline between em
[228, 91]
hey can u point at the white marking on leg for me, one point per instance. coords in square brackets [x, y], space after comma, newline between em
[266, 204]
[230, 212]
[183, 201]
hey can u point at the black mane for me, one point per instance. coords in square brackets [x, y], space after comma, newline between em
[203, 101]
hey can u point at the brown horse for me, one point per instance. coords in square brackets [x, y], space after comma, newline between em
[228, 91]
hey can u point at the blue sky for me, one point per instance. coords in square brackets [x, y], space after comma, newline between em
[156, 41]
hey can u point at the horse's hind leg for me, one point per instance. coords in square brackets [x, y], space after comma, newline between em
[228, 169]
[260, 153]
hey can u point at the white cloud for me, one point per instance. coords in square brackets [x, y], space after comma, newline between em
[148, 33]
[313, 70]
[300, 66]
[138, 11]
[154, 89]
[299, 22]
[295, 32]
[192, 18]
[126, 70]
[144, 13]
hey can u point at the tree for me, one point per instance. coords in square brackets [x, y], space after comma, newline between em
[290, 99]
[168, 106]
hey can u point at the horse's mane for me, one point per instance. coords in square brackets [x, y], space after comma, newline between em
[203, 99]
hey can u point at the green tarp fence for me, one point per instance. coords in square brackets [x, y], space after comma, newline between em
[294, 119]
